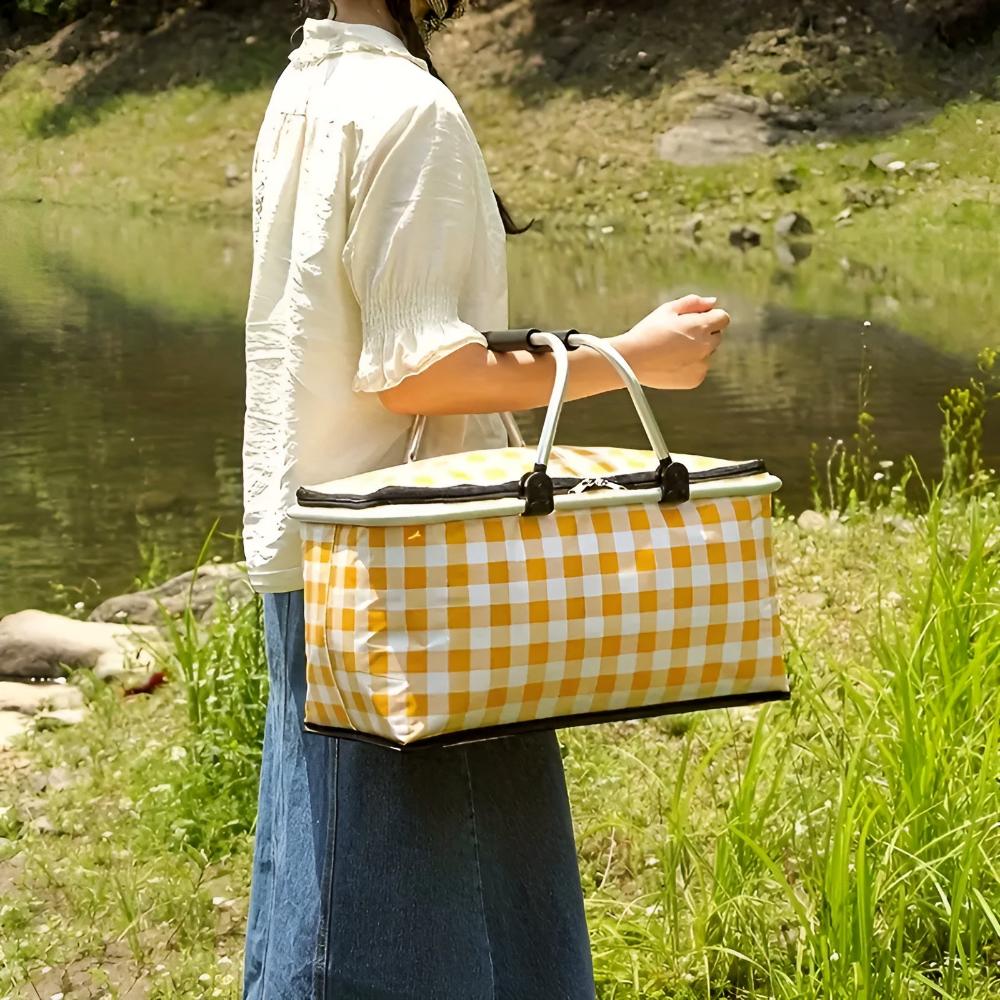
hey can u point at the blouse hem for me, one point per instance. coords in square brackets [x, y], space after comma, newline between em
[381, 381]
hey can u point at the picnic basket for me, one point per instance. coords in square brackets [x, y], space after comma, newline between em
[474, 595]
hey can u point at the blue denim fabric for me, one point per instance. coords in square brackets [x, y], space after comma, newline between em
[439, 875]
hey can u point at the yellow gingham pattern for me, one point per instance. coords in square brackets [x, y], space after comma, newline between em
[421, 630]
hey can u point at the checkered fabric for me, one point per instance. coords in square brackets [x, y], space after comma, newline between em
[421, 630]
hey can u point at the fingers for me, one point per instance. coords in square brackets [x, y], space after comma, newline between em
[712, 321]
[693, 304]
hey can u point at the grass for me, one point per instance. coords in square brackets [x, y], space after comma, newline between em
[842, 846]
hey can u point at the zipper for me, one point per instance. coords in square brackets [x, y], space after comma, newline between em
[390, 495]
[597, 484]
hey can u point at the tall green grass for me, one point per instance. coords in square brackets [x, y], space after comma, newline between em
[221, 666]
[846, 846]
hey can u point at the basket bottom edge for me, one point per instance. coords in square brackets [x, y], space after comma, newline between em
[470, 736]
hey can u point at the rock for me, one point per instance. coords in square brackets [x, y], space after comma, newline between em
[56, 779]
[929, 167]
[787, 183]
[715, 134]
[792, 224]
[800, 120]
[640, 196]
[59, 719]
[12, 726]
[744, 236]
[793, 253]
[157, 502]
[32, 698]
[885, 161]
[790, 66]
[232, 174]
[604, 161]
[43, 824]
[692, 226]
[214, 581]
[39, 644]
[812, 521]
[815, 599]
[743, 102]
[644, 60]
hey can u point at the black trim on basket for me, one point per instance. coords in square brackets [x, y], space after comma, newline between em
[390, 495]
[562, 722]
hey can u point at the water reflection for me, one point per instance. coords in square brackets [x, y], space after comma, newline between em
[121, 385]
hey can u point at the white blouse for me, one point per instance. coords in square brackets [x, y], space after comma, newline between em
[377, 250]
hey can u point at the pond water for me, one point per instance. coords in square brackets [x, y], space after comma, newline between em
[121, 380]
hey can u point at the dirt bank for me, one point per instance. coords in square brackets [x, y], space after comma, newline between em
[650, 118]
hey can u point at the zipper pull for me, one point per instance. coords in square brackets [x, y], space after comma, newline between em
[596, 484]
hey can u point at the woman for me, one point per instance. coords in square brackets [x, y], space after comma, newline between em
[378, 259]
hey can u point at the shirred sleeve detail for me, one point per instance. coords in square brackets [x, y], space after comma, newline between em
[410, 243]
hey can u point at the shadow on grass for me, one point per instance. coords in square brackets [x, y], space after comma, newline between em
[237, 48]
[542, 48]
[806, 48]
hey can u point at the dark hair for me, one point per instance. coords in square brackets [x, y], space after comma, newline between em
[401, 11]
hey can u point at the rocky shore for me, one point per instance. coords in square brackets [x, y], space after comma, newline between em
[121, 639]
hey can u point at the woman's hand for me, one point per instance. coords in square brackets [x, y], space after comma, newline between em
[672, 347]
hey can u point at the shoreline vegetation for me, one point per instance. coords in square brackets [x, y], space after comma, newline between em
[842, 846]
[850, 151]
[777, 108]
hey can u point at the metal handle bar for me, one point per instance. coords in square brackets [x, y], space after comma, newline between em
[536, 485]
[515, 439]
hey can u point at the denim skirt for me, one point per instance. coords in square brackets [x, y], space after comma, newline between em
[445, 874]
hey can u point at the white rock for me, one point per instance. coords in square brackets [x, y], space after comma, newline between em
[816, 599]
[39, 644]
[812, 521]
[12, 725]
[61, 717]
[31, 698]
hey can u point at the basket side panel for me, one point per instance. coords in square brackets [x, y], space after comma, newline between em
[439, 628]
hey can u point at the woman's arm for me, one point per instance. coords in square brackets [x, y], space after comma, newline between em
[670, 349]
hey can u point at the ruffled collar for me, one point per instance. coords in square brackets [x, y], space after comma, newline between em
[322, 38]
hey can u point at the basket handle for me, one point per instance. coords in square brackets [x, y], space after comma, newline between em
[536, 485]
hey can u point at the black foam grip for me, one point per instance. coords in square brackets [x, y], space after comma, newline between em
[520, 340]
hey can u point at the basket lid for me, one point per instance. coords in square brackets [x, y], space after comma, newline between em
[481, 483]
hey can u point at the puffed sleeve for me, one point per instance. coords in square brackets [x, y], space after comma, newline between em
[410, 241]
